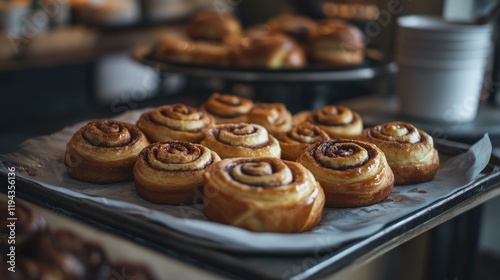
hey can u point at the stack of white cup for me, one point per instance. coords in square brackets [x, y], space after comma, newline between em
[441, 68]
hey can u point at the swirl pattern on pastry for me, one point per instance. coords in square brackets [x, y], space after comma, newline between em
[263, 194]
[171, 172]
[104, 151]
[337, 121]
[352, 173]
[175, 122]
[409, 151]
[273, 116]
[241, 140]
[227, 108]
[296, 140]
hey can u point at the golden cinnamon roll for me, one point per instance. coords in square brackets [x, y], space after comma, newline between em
[336, 42]
[274, 117]
[227, 108]
[409, 151]
[298, 27]
[337, 121]
[352, 173]
[296, 140]
[175, 122]
[104, 151]
[171, 172]
[213, 26]
[270, 51]
[241, 140]
[263, 194]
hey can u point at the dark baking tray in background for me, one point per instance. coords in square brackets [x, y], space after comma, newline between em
[322, 262]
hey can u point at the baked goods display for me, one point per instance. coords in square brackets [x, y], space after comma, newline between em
[352, 173]
[228, 108]
[285, 41]
[104, 151]
[263, 194]
[337, 121]
[257, 142]
[275, 117]
[336, 42]
[59, 254]
[171, 172]
[241, 140]
[175, 122]
[409, 151]
[298, 138]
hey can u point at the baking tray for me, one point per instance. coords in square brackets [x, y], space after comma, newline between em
[268, 264]
[372, 67]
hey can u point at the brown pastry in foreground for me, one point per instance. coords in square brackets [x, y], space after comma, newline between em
[352, 173]
[263, 195]
[296, 140]
[274, 117]
[213, 26]
[409, 151]
[272, 51]
[227, 108]
[171, 172]
[241, 140]
[104, 151]
[28, 225]
[76, 258]
[336, 42]
[336, 121]
[175, 122]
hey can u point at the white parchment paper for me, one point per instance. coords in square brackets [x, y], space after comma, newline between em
[43, 158]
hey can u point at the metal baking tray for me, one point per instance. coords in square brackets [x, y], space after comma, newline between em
[267, 264]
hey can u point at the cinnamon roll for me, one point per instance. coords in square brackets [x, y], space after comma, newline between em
[273, 116]
[241, 140]
[104, 151]
[336, 42]
[409, 151]
[171, 172]
[213, 26]
[227, 108]
[263, 195]
[337, 121]
[296, 140]
[175, 122]
[76, 258]
[352, 173]
[272, 51]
